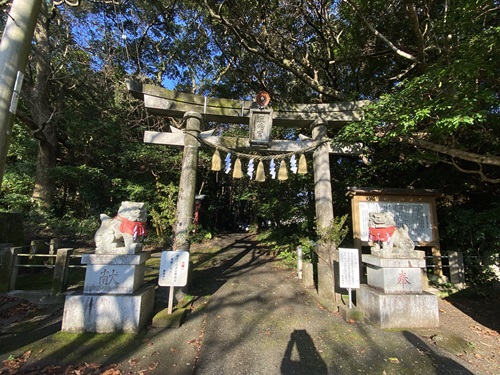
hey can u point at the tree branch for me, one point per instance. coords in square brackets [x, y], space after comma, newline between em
[28, 121]
[415, 24]
[252, 44]
[381, 36]
[454, 153]
[479, 172]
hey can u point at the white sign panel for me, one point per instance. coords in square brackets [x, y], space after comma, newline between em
[173, 268]
[349, 268]
[417, 216]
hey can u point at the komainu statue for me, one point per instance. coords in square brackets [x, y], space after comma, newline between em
[386, 240]
[122, 234]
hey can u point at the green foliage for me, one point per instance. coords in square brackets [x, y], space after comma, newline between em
[17, 187]
[46, 224]
[309, 249]
[454, 101]
[475, 233]
[199, 234]
[163, 209]
[282, 243]
[335, 233]
[18, 180]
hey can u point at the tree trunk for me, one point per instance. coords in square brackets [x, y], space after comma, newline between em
[46, 159]
[43, 117]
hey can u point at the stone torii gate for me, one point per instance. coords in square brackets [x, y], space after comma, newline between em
[196, 110]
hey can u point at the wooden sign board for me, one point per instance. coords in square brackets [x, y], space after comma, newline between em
[261, 122]
[173, 268]
[415, 215]
[414, 208]
[349, 268]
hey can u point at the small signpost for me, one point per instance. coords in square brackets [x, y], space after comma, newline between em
[173, 272]
[349, 270]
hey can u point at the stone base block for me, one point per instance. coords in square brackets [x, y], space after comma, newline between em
[162, 319]
[354, 314]
[417, 310]
[114, 274]
[108, 313]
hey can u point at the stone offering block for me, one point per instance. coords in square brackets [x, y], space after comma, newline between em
[394, 275]
[114, 274]
[108, 313]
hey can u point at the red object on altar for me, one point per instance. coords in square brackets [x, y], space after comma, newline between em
[380, 234]
[135, 228]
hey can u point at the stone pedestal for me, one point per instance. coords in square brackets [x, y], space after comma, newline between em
[393, 297]
[112, 299]
[105, 313]
[410, 310]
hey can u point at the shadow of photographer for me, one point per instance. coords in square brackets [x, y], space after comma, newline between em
[305, 359]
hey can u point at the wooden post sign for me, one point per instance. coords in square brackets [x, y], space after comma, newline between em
[349, 270]
[173, 272]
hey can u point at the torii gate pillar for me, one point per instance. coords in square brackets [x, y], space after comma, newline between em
[324, 213]
[187, 185]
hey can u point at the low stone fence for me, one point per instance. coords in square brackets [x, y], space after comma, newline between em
[453, 262]
[17, 257]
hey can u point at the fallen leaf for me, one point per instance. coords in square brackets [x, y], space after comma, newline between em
[393, 360]
[93, 366]
[153, 365]
[132, 362]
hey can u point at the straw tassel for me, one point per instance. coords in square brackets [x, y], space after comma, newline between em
[283, 172]
[302, 164]
[237, 173]
[216, 162]
[260, 174]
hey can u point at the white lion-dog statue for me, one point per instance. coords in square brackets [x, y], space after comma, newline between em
[122, 234]
[387, 240]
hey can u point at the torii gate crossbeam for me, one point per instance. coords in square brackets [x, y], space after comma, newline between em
[163, 102]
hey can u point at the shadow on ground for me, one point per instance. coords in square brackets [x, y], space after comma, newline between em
[481, 304]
